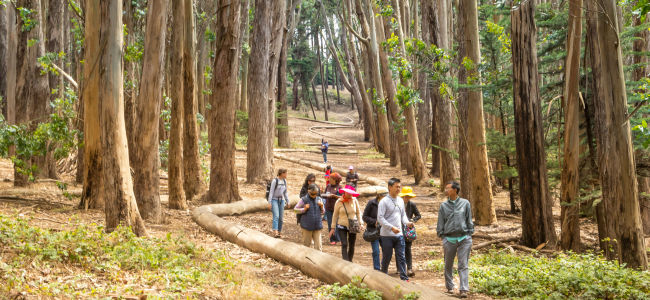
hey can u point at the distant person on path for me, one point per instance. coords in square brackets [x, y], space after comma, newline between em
[332, 193]
[328, 172]
[310, 208]
[345, 210]
[392, 217]
[310, 179]
[277, 200]
[413, 215]
[352, 178]
[324, 146]
[455, 227]
[370, 218]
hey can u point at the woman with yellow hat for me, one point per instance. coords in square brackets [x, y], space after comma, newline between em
[413, 215]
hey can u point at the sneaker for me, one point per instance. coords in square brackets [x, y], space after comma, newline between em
[410, 273]
[332, 243]
[450, 291]
[463, 294]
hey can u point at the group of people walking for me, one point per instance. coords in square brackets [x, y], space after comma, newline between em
[392, 215]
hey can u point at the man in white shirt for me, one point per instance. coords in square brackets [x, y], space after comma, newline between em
[392, 217]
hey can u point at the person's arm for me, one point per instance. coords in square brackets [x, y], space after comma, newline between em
[322, 207]
[404, 218]
[441, 222]
[272, 190]
[286, 191]
[358, 211]
[416, 212]
[366, 215]
[468, 219]
[299, 208]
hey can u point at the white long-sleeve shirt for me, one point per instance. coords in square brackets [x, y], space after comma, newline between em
[391, 213]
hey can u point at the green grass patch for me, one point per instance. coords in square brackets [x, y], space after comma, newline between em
[355, 290]
[88, 262]
[567, 276]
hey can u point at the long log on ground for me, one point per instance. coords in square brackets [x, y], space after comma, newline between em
[488, 243]
[317, 151]
[348, 124]
[321, 166]
[313, 130]
[312, 262]
[331, 144]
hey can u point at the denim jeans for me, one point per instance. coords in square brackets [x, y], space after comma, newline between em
[324, 157]
[376, 260]
[277, 208]
[462, 250]
[388, 243]
[335, 236]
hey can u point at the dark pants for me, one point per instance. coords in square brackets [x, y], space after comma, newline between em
[347, 243]
[407, 255]
[335, 236]
[388, 243]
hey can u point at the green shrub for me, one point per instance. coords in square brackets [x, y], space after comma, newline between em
[577, 276]
[354, 290]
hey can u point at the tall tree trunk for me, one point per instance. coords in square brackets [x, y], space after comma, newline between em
[192, 182]
[131, 65]
[279, 20]
[615, 157]
[177, 198]
[4, 58]
[644, 203]
[147, 159]
[54, 44]
[283, 116]
[223, 174]
[480, 187]
[570, 238]
[121, 207]
[245, 54]
[32, 88]
[10, 59]
[536, 206]
[323, 80]
[92, 194]
[258, 160]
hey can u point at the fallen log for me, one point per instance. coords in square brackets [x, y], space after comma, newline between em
[317, 151]
[488, 243]
[321, 166]
[314, 263]
[347, 124]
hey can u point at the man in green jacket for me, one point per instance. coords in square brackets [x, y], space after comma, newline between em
[455, 227]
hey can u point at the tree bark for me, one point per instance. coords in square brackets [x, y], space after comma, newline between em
[177, 199]
[192, 181]
[4, 57]
[622, 230]
[258, 160]
[480, 187]
[146, 162]
[130, 70]
[283, 116]
[570, 238]
[92, 194]
[644, 203]
[223, 174]
[54, 44]
[11, 70]
[245, 54]
[536, 202]
[323, 83]
[121, 207]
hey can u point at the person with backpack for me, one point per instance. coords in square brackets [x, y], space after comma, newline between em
[392, 217]
[324, 146]
[332, 193]
[413, 215]
[350, 223]
[310, 208]
[277, 197]
[352, 178]
[370, 218]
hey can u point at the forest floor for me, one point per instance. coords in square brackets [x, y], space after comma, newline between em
[45, 205]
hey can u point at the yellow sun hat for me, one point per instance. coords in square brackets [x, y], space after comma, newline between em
[407, 191]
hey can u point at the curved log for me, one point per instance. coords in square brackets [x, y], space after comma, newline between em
[314, 263]
[317, 151]
[321, 166]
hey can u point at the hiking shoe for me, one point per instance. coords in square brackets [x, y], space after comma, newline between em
[450, 291]
[410, 273]
[332, 243]
[463, 294]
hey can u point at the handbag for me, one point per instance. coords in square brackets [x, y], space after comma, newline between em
[409, 233]
[353, 224]
[371, 234]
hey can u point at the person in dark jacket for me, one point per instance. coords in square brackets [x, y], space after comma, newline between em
[311, 208]
[455, 227]
[311, 178]
[332, 193]
[370, 218]
[413, 215]
[324, 147]
[351, 178]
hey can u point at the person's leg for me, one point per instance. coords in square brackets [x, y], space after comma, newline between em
[399, 257]
[324, 157]
[306, 237]
[315, 236]
[329, 215]
[352, 239]
[276, 213]
[344, 244]
[407, 255]
[280, 215]
[449, 253]
[386, 251]
[464, 249]
[376, 260]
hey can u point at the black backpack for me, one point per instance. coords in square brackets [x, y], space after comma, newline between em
[268, 187]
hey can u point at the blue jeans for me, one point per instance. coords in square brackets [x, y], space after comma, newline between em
[324, 156]
[388, 243]
[376, 262]
[277, 208]
[335, 236]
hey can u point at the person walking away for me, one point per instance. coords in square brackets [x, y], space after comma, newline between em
[352, 178]
[413, 215]
[277, 200]
[392, 217]
[370, 218]
[346, 211]
[310, 179]
[332, 193]
[324, 146]
[310, 208]
[455, 227]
